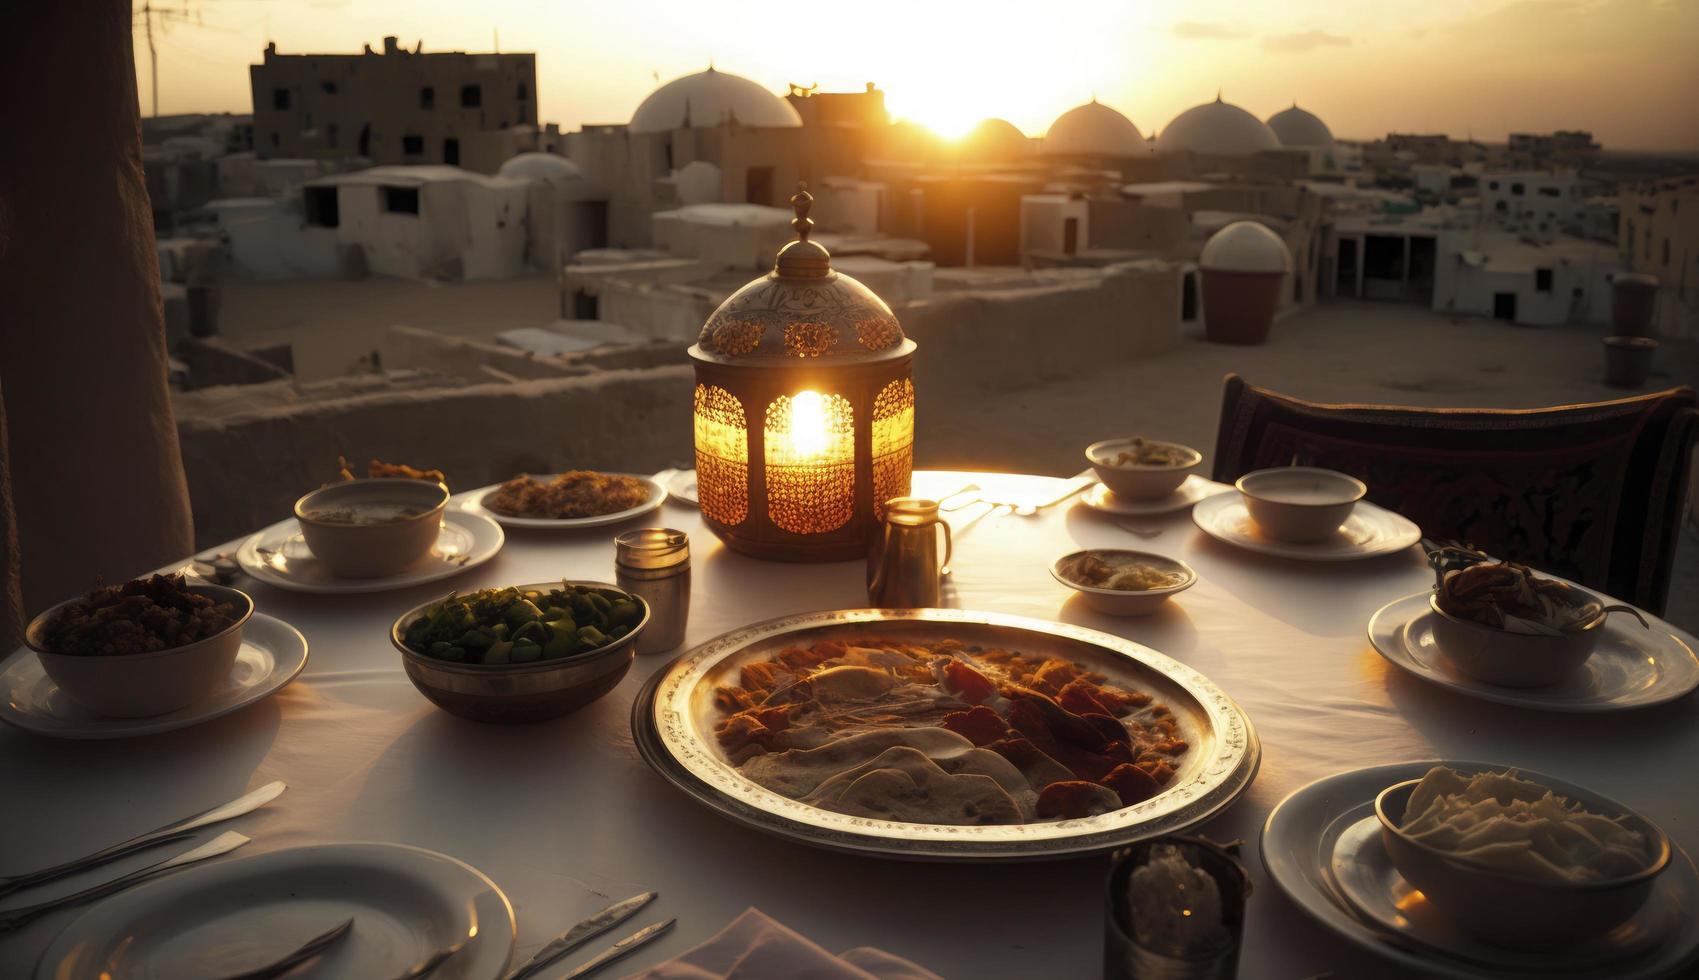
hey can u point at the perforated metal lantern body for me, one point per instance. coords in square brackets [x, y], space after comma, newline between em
[804, 410]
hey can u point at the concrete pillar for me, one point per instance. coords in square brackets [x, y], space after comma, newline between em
[96, 473]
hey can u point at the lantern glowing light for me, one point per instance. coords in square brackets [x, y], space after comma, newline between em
[804, 409]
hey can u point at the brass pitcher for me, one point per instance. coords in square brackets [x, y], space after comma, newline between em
[903, 570]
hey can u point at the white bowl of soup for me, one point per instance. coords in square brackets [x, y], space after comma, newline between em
[1299, 504]
[372, 528]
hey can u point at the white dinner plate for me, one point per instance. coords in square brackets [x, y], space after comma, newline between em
[1632, 667]
[681, 485]
[228, 917]
[1192, 490]
[1369, 532]
[473, 502]
[1366, 878]
[1303, 833]
[272, 653]
[279, 556]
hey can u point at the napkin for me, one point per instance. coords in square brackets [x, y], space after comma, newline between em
[755, 947]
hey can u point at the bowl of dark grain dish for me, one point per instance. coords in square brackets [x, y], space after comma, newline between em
[372, 528]
[144, 648]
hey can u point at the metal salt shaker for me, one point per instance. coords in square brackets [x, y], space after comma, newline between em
[903, 571]
[655, 563]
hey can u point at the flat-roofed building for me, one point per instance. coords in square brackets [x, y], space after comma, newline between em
[396, 106]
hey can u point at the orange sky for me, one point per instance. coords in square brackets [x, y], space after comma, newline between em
[1625, 69]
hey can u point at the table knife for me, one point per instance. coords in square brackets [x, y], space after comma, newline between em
[582, 933]
[624, 947]
[177, 831]
[222, 844]
[306, 951]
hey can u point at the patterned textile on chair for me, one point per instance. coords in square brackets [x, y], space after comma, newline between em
[1591, 492]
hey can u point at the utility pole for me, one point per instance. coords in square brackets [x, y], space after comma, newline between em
[182, 15]
[152, 56]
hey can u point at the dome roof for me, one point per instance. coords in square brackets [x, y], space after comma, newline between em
[709, 98]
[1246, 246]
[540, 166]
[1299, 127]
[698, 182]
[994, 139]
[1094, 129]
[1217, 129]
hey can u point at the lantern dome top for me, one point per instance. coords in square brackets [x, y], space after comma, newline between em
[802, 310]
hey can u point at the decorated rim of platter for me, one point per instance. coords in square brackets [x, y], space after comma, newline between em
[672, 722]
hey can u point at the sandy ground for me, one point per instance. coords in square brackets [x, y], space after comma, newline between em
[1347, 351]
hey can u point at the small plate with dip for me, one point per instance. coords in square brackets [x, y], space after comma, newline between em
[1369, 532]
[279, 556]
[1121, 582]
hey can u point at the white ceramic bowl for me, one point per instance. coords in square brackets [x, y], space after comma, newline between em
[142, 685]
[1138, 481]
[372, 550]
[1508, 659]
[1514, 910]
[1119, 602]
[1299, 504]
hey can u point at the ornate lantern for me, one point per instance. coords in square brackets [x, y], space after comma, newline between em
[804, 409]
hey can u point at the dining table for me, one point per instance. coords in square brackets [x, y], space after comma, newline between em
[566, 817]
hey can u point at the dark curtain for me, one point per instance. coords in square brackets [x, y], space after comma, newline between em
[91, 464]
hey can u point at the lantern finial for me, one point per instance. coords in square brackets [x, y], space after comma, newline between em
[803, 259]
[802, 201]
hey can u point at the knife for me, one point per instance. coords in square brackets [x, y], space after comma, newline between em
[582, 933]
[222, 844]
[624, 947]
[305, 952]
[181, 830]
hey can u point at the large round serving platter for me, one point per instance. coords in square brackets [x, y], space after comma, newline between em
[473, 502]
[674, 715]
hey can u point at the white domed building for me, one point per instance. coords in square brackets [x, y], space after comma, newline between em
[711, 98]
[1217, 129]
[1300, 129]
[748, 139]
[1093, 130]
[561, 208]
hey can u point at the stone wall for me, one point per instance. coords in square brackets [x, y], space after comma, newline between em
[246, 466]
[976, 343]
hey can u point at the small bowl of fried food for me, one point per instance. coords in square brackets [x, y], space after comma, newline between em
[1500, 623]
[1121, 582]
[1142, 469]
[144, 648]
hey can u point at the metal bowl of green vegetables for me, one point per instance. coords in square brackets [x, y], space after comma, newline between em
[522, 653]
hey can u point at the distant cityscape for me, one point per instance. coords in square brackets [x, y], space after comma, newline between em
[596, 255]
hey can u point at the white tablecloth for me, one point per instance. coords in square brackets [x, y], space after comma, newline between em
[565, 816]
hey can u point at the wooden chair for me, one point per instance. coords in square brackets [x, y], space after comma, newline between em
[1593, 492]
